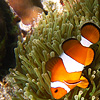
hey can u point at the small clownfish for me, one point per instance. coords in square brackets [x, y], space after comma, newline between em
[66, 69]
[27, 10]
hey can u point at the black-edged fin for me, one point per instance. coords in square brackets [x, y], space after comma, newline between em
[91, 32]
[90, 23]
[51, 63]
[67, 44]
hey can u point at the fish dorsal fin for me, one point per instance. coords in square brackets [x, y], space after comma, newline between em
[73, 48]
[51, 63]
[91, 32]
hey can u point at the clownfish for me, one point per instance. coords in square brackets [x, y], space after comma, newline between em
[27, 10]
[66, 69]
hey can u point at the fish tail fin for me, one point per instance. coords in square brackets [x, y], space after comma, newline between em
[83, 82]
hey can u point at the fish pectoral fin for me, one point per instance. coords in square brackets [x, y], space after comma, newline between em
[83, 82]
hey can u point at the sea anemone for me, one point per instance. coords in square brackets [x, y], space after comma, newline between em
[30, 74]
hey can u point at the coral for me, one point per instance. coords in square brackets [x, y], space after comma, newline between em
[45, 42]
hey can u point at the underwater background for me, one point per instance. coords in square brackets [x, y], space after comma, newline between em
[8, 38]
[28, 79]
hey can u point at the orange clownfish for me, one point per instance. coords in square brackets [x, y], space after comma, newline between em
[66, 69]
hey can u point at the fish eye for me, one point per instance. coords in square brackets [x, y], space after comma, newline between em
[56, 91]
